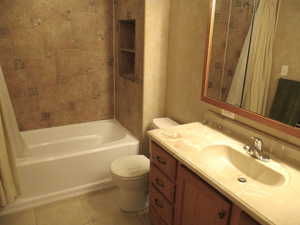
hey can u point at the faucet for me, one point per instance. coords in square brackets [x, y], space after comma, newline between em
[256, 151]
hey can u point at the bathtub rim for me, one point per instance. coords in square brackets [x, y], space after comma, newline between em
[128, 140]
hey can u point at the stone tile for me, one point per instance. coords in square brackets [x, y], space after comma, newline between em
[101, 206]
[58, 50]
[21, 218]
[70, 62]
[28, 42]
[29, 121]
[17, 84]
[58, 34]
[82, 24]
[26, 105]
[68, 212]
[127, 219]
[43, 73]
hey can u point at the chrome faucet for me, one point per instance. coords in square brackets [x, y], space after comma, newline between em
[257, 150]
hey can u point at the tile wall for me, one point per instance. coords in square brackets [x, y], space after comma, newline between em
[57, 59]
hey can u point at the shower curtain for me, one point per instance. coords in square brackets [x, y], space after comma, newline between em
[235, 93]
[11, 143]
[259, 61]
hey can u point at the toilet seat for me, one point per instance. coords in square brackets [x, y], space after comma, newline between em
[130, 178]
[131, 167]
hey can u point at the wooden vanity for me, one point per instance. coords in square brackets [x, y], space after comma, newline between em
[180, 197]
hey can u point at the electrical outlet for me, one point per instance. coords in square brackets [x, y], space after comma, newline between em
[228, 114]
[284, 70]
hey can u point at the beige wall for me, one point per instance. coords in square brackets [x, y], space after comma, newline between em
[57, 60]
[188, 30]
[157, 15]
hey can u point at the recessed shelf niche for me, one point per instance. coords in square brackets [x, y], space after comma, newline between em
[127, 49]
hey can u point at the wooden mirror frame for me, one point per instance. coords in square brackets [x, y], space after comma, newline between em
[231, 108]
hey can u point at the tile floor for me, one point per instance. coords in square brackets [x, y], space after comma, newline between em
[97, 208]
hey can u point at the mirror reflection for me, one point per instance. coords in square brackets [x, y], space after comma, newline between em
[255, 57]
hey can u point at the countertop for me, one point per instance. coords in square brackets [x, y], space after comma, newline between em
[269, 205]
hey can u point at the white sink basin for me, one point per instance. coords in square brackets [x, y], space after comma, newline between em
[226, 158]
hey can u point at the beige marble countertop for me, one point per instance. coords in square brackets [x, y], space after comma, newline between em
[269, 205]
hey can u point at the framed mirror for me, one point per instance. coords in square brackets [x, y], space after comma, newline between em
[253, 61]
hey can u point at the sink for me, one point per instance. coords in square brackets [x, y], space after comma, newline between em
[224, 158]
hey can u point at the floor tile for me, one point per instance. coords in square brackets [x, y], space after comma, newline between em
[101, 207]
[21, 218]
[67, 212]
[97, 208]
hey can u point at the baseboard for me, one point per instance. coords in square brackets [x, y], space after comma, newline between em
[27, 203]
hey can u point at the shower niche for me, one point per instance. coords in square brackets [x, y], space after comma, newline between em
[126, 49]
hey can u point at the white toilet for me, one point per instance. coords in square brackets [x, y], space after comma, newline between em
[130, 174]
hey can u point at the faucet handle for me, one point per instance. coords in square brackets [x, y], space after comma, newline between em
[247, 148]
[258, 143]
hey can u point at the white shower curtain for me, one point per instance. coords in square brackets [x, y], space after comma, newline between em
[259, 64]
[235, 93]
[11, 143]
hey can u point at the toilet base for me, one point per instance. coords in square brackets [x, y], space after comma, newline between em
[133, 200]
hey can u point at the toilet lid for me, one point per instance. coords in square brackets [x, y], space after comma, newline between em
[131, 166]
[163, 123]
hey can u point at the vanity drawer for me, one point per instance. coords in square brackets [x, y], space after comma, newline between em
[162, 183]
[164, 161]
[161, 205]
[155, 218]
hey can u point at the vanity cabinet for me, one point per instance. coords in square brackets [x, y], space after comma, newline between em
[198, 203]
[163, 173]
[180, 197]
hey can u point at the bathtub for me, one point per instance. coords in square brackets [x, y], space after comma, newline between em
[65, 161]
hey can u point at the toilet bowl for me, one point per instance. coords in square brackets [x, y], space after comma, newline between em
[130, 175]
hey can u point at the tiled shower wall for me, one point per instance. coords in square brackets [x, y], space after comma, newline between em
[232, 23]
[57, 59]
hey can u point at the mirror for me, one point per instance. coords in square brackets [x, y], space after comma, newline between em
[253, 59]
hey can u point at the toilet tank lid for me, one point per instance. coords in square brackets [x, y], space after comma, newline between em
[164, 123]
[131, 166]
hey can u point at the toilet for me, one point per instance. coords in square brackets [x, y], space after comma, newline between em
[130, 174]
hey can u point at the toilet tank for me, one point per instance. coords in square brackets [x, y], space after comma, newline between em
[159, 123]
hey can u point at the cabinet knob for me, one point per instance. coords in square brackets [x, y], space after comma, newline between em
[159, 182]
[160, 160]
[222, 214]
[160, 205]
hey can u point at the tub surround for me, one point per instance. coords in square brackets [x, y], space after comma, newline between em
[268, 204]
[57, 59]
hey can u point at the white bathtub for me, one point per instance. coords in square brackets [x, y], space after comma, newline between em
[70, 160]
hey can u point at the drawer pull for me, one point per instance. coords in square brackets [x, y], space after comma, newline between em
[222, 214]
[159, 182]
[160, 205]
[161, 161]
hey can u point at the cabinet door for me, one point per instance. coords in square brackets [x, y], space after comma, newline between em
[197, 203]
[238, 217]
